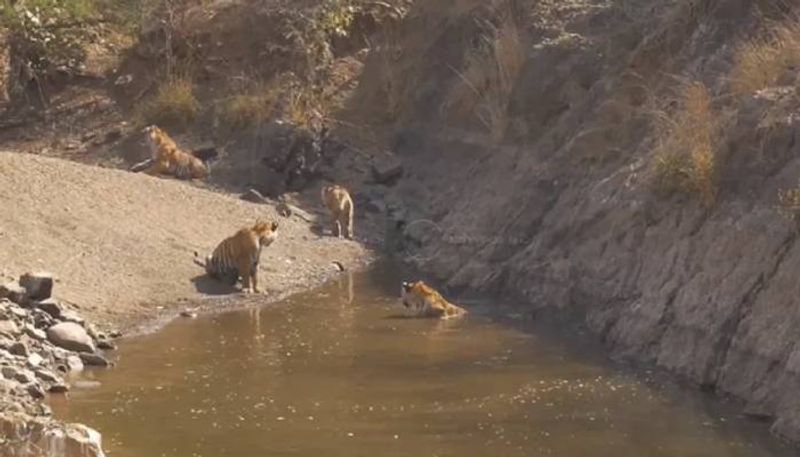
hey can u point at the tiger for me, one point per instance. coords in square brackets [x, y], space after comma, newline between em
[338, 202]
[238, 255]
[424, 301]
[168, 158]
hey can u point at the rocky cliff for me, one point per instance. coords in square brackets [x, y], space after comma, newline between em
[533, 141]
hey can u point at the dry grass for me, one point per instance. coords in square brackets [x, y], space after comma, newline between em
[686, 155]
[173, 104]
[250, 109]
[763, 62]
[487, 81]
[789, 203]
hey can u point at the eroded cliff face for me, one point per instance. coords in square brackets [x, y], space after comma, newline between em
[24, 436]
[562, 211]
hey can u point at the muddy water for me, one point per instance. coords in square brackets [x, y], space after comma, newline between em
[335, 373]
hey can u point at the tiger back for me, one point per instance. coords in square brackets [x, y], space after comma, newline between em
[424, 301]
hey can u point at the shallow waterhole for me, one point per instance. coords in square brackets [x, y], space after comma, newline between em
[336, 372]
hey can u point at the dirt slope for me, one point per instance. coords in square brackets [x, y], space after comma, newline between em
[122, 243]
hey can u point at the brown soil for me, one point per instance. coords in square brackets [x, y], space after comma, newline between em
[121, 244]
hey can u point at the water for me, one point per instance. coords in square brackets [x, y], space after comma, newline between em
[334, 372]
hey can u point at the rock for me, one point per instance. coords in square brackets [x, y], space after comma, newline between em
[386, 170]
[338, 266]
[14, 292]
[18, 312]
[19, 348]
[8, 327]
[92, 331]
[72, 316]
[74, 363]
[35, 391]
[24, 377]
[106, 345]
[115, 334]
[283, 209]
[34, 360]
[188, 313]
[8, 372]
[39, 285]
[58, 388]
[113, 135]
[141, 166]
[206, 153]
[42, 320]
[93, 359]
[70, 336]
[254, 196]
[46, 375]
[51, 307]
[35, 333]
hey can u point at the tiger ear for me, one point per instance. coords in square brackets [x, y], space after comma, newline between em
[274, 225]
[407, 286]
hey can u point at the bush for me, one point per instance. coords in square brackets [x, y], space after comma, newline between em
[247, 110]
[685, 158]
[173, 104]
[762, 63]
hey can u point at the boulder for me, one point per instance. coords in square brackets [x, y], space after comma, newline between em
[70, 336]
[24, 377]
[46, 375]
[387, 169]
[72, 316]
[39, 285]
[51, 307]
[74, 364]
[19, 348]
[58, 388]
[93, 359]
[35, 391]
[8, 327]
[35, 360]
[14, 292]
[35, 333]
[8, 372]
[106, 345]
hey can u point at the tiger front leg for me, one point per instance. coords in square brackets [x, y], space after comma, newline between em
[336, 227]
[254, 279]
[347, 222]
[247, 276]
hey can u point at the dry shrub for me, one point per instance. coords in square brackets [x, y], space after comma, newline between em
[789, 206]
[763, 62]
[685, 157]
[173, 104]
[247, 110]
[305, 108]
[487, 81]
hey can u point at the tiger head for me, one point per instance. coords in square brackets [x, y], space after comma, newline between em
[422, 300]
[266, 232]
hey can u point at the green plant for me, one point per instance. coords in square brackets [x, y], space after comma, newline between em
[173, 103]
[45, 35]
[686, 155]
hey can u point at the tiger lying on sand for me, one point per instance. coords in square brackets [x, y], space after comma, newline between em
[168, 159]
[238, 255]
[424, 301]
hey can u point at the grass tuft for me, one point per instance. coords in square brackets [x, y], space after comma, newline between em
[173, 104]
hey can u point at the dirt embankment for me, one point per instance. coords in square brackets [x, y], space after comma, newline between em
[121, 244]
[551, 197]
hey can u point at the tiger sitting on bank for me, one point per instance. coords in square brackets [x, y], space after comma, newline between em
[168, 159]
[238, 255]
[424, 301]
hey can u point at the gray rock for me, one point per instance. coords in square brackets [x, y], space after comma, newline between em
[9, 372]
[14, 292]
[115, 334]
[72, 316]
[39, 285]
[42, 320]
[19, 348]
[58, 388]
[51, 307]
[18, 313]
[35, 391]
[253, 196]
[188, 313]
[74, 364]
[106, 345]
[70, 336]
[86, 384]
[93, 359]
[47, 375]
[35, 333]
[141, 166]
[387, 169]
[35, 360]
[24, 377]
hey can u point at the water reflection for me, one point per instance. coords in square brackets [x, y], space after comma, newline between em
[331, 373]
